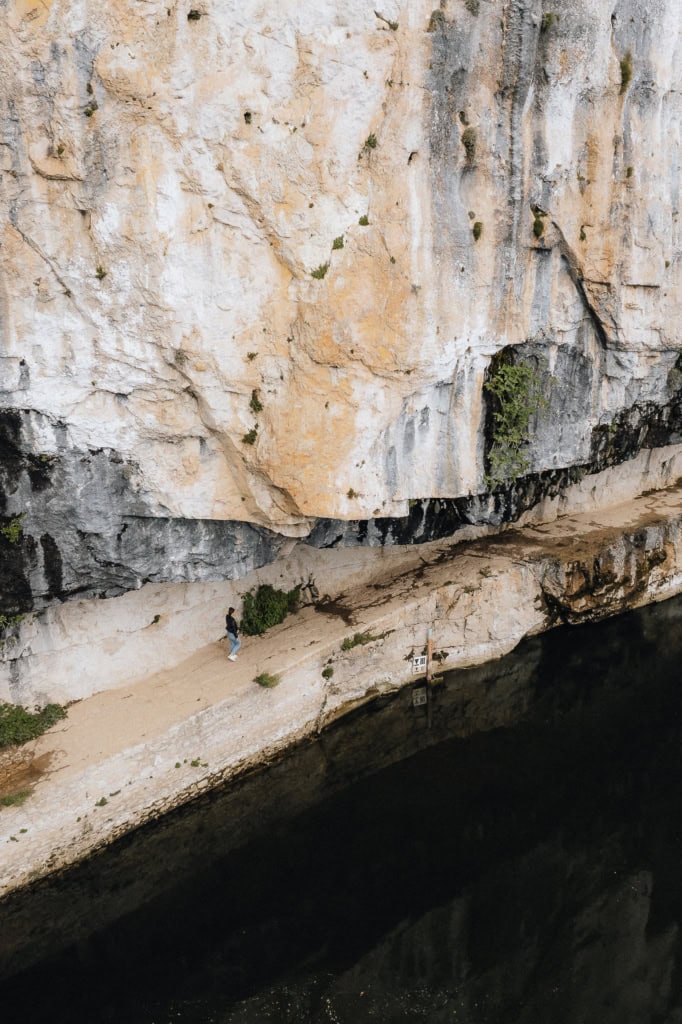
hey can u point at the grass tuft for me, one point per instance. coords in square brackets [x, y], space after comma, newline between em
[267, 680]
[360, 639]
[15, 799]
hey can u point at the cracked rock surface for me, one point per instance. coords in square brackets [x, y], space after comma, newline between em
[184, 392]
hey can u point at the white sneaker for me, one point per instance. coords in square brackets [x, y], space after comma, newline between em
[232, 657]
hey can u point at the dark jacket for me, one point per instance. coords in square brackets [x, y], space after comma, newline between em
[231, 625]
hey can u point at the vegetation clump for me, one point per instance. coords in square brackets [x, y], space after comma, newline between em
[194, 15]
[12, 530]
[327, 672]
[477, 230]
[250, 436]
[517, 389]
[266, 606]
[549, 18]
[267, 680]
[538, 225]
[469, 143]
[255, 404]
[338, 243]
[17, 725]
[359, 639]
[320, 271]
[625, 72]
[15, 800]
[364, 221]
[8, 621]
[371, 141]
[437, 20]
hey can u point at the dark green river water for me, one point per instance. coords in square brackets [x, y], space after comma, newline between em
[518, 860]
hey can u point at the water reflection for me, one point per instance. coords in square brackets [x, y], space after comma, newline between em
[518, 862]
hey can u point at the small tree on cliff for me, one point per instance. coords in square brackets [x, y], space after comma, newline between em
[517, 391]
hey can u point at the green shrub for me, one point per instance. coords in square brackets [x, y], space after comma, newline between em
[13, 530]
[477, 230]
[327, 672]
[267, 679]
[100, 273]
[517, 389]
[266, 607]
[320, 271]
[255, 404]
[364, 220]
[194, 15]
[338, 243]
[8, 621]
[250, 436]
[17, 725]
[371, 141]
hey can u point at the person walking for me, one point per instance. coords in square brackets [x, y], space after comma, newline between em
[232, 627]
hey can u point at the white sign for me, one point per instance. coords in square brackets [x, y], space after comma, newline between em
[419, 663]
[418, 696]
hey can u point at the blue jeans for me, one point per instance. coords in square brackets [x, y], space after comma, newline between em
[235, 643]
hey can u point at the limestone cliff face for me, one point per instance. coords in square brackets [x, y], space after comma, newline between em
[460, 180]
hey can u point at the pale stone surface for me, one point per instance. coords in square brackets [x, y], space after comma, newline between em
[224, 157]
[135, 748]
